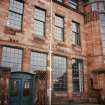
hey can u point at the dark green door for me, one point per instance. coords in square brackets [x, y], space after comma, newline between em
[21, 89]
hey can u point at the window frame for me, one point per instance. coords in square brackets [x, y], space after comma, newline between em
[62, 28]
[66, 87]
[17, 13]
[12, 47]
[77, 34]
[80, 73]
[44, 22]
[33, 51]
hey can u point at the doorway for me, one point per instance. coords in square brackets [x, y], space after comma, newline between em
[21, 88]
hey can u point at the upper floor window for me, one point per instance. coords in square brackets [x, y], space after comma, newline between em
[94, 6]
[73, 4]
[76, 33]
[60, 1]
[12, 57]
[60, 73]
[77, 75]
[59, 28]
[38, 61]
[101, 6]
[39, 18]
[15, 14]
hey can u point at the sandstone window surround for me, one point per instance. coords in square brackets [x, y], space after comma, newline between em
[15, 15]
[39, 21]
[76, 33]
[59, 73]
[59, 28]
[38, 61]
[12, 57]
[77, 76]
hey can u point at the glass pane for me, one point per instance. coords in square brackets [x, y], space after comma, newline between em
[14, 88]
[11, 57]
[59, 33]
[16, 6]
[94, 6]
[101, 6]
[59, 73]
[38, 61]
[14, 20]
[39, 28]
[59, 21]
[39, 14]
[26, 90]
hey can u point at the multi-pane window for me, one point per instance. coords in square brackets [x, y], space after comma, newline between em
[59, 28]
[102, 24]
[59, 73]
[76, 33]
[101, 6]
[60, 1]
[15, 14]
[77, 75]
[12, 57]
[39, 18]
[94, 6]
[73, 4]
[38, 61]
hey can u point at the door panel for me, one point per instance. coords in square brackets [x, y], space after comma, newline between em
[21, 89]
[15, 92]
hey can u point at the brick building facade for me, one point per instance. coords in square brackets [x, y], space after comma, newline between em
[78, 45]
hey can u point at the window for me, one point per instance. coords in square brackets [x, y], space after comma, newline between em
[76, 33]
[38, 61]
[94, 6]
[73, 4]
[77, 75]
[101, 6]
[12, 57]
[15, 15]
[39, 22]
[59, 73]
[102, 24]
[60, 1]
[59, 28]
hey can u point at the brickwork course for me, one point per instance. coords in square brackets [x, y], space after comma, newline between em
[90, 51]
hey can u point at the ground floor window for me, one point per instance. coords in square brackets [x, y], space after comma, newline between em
[77, 75]
[59, 73]
[12, 57]
[38, 61]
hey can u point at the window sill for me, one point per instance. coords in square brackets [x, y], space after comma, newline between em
[77, 94]
[37, 37]
[13, 29]
[76, 47]
[60, 43]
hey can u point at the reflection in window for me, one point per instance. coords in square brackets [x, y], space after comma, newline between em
[14, 88]
[59, 28]
[38, 61]
[26, 90]
[77, 75]
[12, 57]
[15, 14]
[59, 73]
[39, 22]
